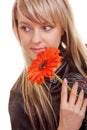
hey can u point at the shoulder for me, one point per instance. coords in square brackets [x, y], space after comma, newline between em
[18, 117]
[17, 85]
[15, 98]
[15, 92]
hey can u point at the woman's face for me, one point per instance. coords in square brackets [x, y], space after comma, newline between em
[35, 38]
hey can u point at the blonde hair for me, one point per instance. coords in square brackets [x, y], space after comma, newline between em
[57, 11]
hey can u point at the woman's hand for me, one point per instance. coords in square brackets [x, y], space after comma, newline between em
[72, 109]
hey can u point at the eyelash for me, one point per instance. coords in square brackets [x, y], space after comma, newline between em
[24, 28]
[46, 28]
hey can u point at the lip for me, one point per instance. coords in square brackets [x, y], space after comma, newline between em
[37, 50]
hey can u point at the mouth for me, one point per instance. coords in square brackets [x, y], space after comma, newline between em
[37, 50]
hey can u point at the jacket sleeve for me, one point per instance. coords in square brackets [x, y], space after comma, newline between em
[85, 121]
[18, 117]
[82, 84]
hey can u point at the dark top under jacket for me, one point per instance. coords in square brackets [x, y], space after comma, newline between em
[19, 118]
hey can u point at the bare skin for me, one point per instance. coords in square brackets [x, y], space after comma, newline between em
[72, 111]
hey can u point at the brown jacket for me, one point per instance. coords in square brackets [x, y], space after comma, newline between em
[19, 118]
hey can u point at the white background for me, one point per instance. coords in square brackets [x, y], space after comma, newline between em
[11, 61]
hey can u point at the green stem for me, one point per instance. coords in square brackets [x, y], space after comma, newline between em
[60, 80]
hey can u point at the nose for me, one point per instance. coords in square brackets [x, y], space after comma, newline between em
[36, 36]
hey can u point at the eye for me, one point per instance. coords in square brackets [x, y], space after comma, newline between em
[47, 27]
[25, 28]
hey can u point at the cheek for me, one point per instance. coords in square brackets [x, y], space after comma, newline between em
[57, 40]
[54, 40]
[24, 39]
[25, 42]
[26, 45]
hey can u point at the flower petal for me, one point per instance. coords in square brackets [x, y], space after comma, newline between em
[53, 61]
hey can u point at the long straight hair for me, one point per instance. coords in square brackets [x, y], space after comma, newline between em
[52, 11]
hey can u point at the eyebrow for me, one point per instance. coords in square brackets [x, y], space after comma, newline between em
[27, 23]
[21, 22]
[30, 23]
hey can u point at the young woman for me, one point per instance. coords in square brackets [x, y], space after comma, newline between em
[38, 25]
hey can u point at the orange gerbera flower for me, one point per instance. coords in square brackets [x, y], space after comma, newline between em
[44, 65]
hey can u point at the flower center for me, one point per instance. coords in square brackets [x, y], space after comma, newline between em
[42, 64]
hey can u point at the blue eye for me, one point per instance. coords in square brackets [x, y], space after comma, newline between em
[47, 28]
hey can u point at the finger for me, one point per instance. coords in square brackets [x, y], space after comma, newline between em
[64, 92]
[80, 99]
[73, 94]
[84, 106]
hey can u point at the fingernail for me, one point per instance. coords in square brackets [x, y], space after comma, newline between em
[65, 80]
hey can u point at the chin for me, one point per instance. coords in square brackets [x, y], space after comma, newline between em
[33, 57]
